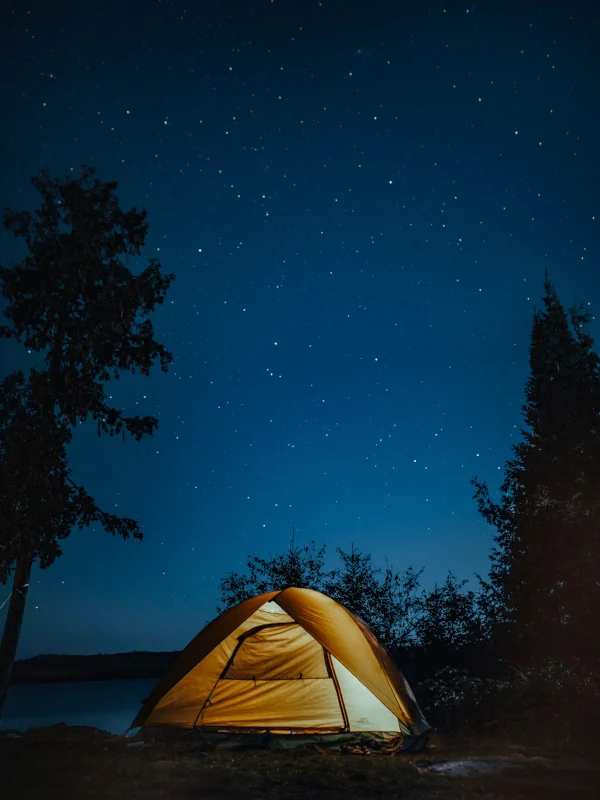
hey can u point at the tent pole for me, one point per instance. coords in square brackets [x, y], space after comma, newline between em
[338, 690]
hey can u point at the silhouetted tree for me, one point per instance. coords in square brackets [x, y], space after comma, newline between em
[72, 298]
[387, 601]
[397, 608]
[354, 583]
[425, 630]
[298, 566]
[546, 563]
[450, 617]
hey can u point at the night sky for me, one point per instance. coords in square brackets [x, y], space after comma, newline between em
[359, 200]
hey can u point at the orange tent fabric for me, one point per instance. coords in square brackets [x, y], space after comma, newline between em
[294, 661]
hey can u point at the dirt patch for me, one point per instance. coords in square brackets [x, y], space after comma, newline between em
[86, 765]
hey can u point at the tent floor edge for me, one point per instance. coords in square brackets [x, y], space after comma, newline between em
[203, 738]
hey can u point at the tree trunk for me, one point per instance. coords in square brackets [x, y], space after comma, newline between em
[12, 626]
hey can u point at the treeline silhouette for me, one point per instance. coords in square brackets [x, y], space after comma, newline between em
[525, 640]
[425, 629]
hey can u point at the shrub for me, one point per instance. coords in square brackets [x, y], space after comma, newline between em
[558, 697]
[453, 698]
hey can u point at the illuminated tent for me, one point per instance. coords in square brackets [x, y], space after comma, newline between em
[288, 662]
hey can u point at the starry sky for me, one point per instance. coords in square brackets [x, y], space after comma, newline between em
[359, 201]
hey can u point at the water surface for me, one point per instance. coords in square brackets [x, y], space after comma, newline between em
[108, 705]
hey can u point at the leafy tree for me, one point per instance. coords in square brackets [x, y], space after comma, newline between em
[397, 608]
[72, 298]
[354, 584]
[545, 566]
[428, 629]
[299, 566]
[386, 600]
[450, 617]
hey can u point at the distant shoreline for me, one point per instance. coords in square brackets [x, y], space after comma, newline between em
[101, 667]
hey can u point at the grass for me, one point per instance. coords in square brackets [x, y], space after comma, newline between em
[106, 768]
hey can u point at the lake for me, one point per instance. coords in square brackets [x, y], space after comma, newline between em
[108, 705]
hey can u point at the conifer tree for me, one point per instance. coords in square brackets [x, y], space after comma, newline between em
[545, 568]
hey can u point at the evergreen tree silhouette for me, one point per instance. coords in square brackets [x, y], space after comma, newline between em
[545, 568]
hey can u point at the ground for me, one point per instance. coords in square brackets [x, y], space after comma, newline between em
[86, 767]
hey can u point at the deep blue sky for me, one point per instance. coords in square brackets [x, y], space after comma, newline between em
[359, 200]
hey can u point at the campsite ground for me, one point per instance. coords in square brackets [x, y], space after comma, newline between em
[72, 764]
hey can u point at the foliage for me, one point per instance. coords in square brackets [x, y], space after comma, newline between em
[73, 298]
[393, 604]
[545, 566]
[386, 600]
[564, 689]
[299, 566]
[39, 502]
[556, 695]
[453, 697]
[396, 607]
[449, 618]
[354, 584]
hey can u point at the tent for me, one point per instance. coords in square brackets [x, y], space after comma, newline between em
[288, 662]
